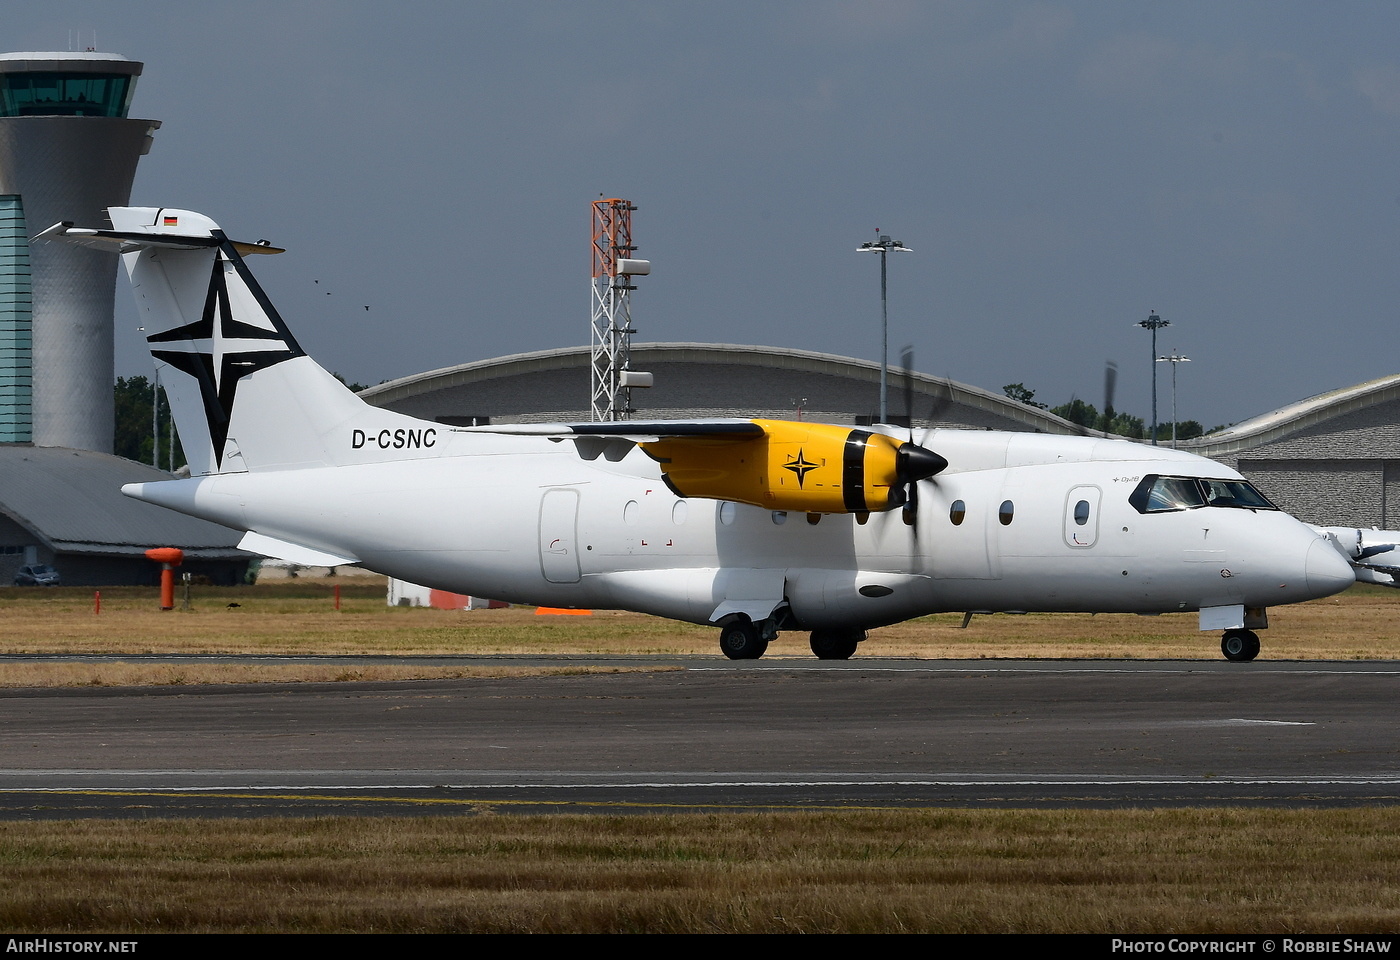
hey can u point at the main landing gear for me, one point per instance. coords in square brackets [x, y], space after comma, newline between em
[742, 639]
[836, 644]
[1240, 646]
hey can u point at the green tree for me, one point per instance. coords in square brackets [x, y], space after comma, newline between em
[357, 387]
[1019, 393]
[1126, 425]
[1088, 416]
[131, 436]
[1077, 411]
[1185, 430]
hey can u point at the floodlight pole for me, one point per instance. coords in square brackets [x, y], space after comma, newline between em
[883, 246]
[1154, 323]
[1174, 359]
[155, 420]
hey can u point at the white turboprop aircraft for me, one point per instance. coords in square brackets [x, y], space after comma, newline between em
[755, 526]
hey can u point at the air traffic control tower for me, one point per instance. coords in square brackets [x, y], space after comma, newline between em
[67, 152]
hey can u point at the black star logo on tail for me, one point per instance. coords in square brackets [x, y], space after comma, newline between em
[800, 466]
[219, 350]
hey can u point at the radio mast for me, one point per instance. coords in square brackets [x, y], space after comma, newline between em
[613, 270]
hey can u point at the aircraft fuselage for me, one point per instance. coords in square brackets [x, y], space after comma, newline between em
[1050, 528]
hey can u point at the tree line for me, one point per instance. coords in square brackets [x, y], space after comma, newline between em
[134, 437]
[1123, 424]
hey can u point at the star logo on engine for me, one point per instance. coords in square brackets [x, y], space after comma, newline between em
[801, 466]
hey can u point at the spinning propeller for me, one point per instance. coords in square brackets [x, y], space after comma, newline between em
[1102, 422]
[1110, 379]
[914, 462]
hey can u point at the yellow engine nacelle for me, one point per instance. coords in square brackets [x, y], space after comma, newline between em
[805, 467]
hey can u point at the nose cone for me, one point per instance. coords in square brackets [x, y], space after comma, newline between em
[1327, 571]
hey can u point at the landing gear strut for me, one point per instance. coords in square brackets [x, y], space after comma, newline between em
[836, 644]
[742, 640]
[1240, 646]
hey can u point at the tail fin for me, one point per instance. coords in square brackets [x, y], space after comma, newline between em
[243, 393]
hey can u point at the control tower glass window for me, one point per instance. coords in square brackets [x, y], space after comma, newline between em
[64, 94]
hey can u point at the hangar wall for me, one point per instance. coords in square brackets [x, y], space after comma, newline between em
[701, 380]
[1332, 460]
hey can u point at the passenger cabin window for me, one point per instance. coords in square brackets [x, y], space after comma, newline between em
[1157, 494]
[1081, 512]
[1007, 511]
[957, 512]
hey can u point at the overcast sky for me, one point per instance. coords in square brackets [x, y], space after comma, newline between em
[1060, 170]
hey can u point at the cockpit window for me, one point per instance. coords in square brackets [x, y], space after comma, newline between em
[1156, 494]
[1173, 493]
[1234, 493]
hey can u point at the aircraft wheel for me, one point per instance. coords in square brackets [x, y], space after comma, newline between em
[1241, 646]
[742, 641]
[836, 644]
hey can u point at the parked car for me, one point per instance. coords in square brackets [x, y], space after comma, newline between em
[37, 575]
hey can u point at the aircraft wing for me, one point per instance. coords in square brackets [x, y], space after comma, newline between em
[638, 431]
[784, 465]
[1383, 559]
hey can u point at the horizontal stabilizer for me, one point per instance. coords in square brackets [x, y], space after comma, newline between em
[291, 552]
[135, 228]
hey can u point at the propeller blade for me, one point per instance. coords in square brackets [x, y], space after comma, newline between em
[906, 358]
[914, 462]
[943, 399]
[1110, 380]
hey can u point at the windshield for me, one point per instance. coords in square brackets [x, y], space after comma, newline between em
[1156, 494]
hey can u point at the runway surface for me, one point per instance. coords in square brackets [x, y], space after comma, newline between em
[713, 735]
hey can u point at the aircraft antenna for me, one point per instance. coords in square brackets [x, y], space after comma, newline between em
[614, 266]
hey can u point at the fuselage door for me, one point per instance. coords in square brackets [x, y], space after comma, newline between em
[1082, 516]
[559, 535]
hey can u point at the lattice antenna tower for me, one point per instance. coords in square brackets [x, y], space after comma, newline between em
[613, 270]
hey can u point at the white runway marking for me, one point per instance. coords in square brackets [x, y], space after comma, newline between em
[165, 781]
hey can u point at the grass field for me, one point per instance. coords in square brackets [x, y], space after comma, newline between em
[880, 870]
[858, 871]
[298, 617]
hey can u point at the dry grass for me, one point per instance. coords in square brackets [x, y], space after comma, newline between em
[297, 617]
[1180, 871]
[165, 674]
